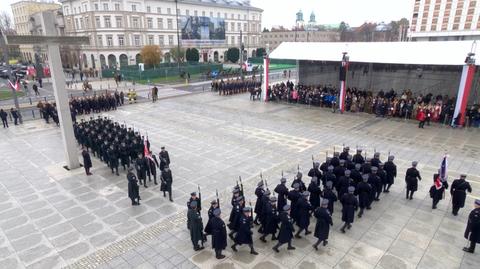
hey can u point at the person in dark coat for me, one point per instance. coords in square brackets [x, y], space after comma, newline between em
[329, 195]
[343, 183]
[235, 215]
[293, 196]
[358, 158]
[270, 219]
[356, 175]
[472, 232]
[376, 183]
[301, 184]
[113, 159]
[304, 209]
[133, 189]
[87, 162]
[195, 226]
[376, 160]
[437, 190]
[244, 231]
[458, 190]
[315, 172]
[282, 192]
[211, 210]
[259, 191]
[152, 167]
[15, 115]
[329, 176]
[324, 221]
[391, 173]
[412, 177]
[315, 193]
[285, 234]
[194, 197]
[344, 155]
[164, 158]
[364, 192]
[218, 231]
[3, 116]
[141, 167]
[124, 156]
[167, 181]
[349, 206]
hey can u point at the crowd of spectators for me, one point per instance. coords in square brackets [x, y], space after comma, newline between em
[391, 103]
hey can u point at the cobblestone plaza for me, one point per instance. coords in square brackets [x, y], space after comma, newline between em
[53, 218]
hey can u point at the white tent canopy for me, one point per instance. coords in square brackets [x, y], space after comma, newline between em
[417, 53]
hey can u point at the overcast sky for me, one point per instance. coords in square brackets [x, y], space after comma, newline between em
[354, 12]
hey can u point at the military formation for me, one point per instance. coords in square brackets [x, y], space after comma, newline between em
[284, 214]
[235, 86]
[96, 103]
[119, 146]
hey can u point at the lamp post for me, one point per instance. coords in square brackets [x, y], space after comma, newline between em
[3, 43]
[178, 36]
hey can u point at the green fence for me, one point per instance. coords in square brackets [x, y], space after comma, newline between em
[167, 71]
[259, 60]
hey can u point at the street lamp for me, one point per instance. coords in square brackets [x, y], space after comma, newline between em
[178, 36]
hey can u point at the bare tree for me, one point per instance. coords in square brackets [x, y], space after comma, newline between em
[6, 24]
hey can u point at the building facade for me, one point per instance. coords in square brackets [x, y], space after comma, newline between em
[443, 20]
[275, 37]
[22, 11]
[118, 29]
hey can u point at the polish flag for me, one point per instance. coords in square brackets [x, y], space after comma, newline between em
[15, 86]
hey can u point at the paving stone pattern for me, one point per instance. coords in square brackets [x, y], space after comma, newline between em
[52, 218]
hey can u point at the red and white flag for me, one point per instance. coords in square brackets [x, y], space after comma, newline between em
[146, 152]
[438, 183]
[15, 86]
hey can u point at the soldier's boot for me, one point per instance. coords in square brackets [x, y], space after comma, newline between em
[116, 171]
[411, 195]
[112, 170]
[307, 232]
[470, 249]
[276, 247]
[343, 227]
[349, 226]
[360, 214]
[218, 254]
[256, 220]
[290, 247]
[406, 197]
[297, 235]
[325, 242]
[164, 195]
[155, 181]
[234, 247]
[315, 246]
[252, 250]
[455, 211]
[170, 196]
[262, 238]
[230, 234]
[274, 237]
[145, 183]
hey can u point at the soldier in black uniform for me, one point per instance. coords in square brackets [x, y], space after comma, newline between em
[458, 190]
[218, 231]
[152, 167]
[167, 181]
[376, 183]
[349, 206]
[344, 155]
[113, 159]
[364, 192]
[375, 162]
[270, 219]
[259, 191]
[194, 197]
[304, 209]
[301, 184]
[329, 195]
[141, 167]
[315, 192]
[133, 190]
[285, 234]
[358, 158]
[329, 176]
[238, 206]
[437, 190]
[315, 172]
[391, 173]
[244, 231]
[195, 225]
[282, 192]
[294, 195]
[343, 183]
[411, 178]
[356, 174]
[472, 232]
[124, 156]
[164, 158]
[324, 221]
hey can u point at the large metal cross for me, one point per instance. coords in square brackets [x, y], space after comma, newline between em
[53, 42]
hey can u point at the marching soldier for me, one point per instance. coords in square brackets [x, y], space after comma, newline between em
[376, 183]
[194, 197]
[329, 195]
[344, 155]
[349, 206]
[376, 160]
[244, 231]
[282, 192]
[358, 158]
[294, 195]
[133, 189]
[195, 226]
[235, 216]
[364, 192]
[141, 167]
[152, 167]
[259, 191]
[391, 173]
[472, 232]
[315, 193]
[324, 221]
[164, 158]
[113, 159]
[343, 183]
[438, 189]
[270, 219]
[124, 156]
[329, 176]
[219, 233]
[356, 174]
[315, 171]
[304, 208]
[285, 234]
[458, 190]
[298, 180]
[167, 181]
[411, 178]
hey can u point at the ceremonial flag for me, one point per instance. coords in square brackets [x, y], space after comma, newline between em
[146, 152]
[15, 86]
[443, 169]
[438, 183]
[343, 80]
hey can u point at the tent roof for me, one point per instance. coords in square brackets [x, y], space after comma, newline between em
[418, 53]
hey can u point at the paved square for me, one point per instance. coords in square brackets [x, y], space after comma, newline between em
[51, 218]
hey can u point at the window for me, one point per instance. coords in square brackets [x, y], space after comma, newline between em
[232, 40]
[134, 8]
[238, 40]
[77, 25]
[109, 41]
[203, 13]
[108, 24]
[105, 6]
[225, 15]
[87, 22]
[169, 11]
[170, 40]
[99, 41]
[135, 23]
[121, 40]
[118, 22]
[159, 10]
[238, 16]
[84, 8]
[244, 27]
[82, 26]
[233, 16]
[161, 41]
[211, 14]
[148, 9]
[150, 40]
[179, 12]
[218, 14]
[150, 23]
[117, 7]
[232, 26]
[97, 22]
[95, 6]
[195, 13]
[169, 24]
[239, 27]
[136, 40]
[187, 12]
[74, 10]
[244, 17]
[159, 23]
